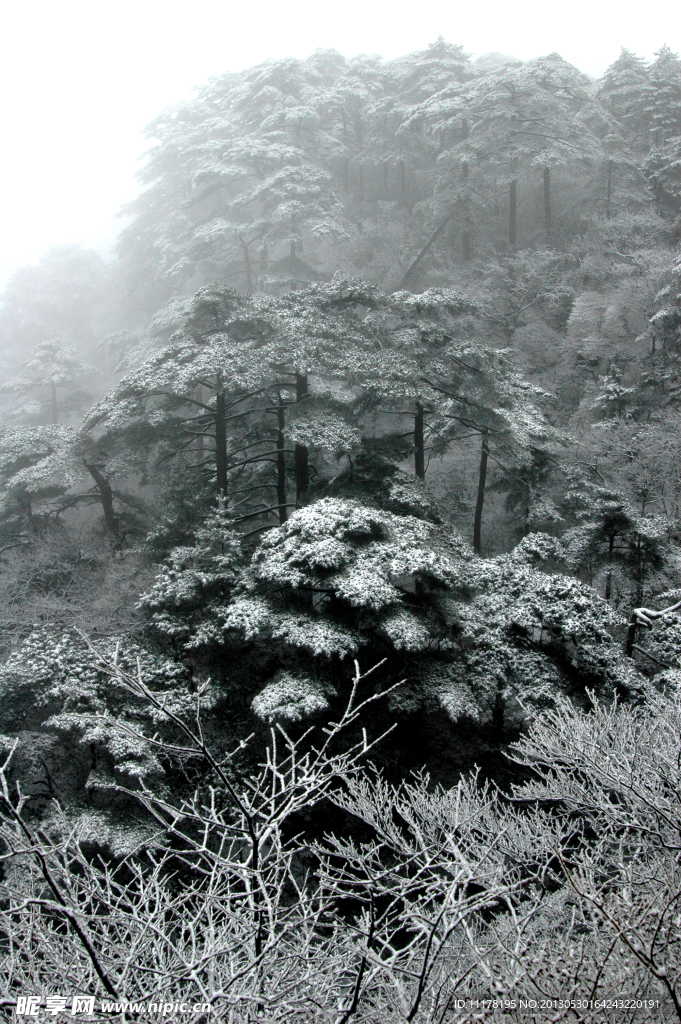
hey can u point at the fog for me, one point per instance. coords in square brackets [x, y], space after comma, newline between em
[79, 81]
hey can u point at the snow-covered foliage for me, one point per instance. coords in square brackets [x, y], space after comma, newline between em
[52, 369]
[290, 698]
[486, 639]
[446, 304]
[75, 723]
[193, 586]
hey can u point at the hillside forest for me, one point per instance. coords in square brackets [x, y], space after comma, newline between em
[340, 547]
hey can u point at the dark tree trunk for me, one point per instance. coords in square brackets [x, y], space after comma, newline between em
[346, 175]
[106, 498]
[300, 455]
[498, 713]
[419, 450]
[466, 242]
[25, 501]
[403, 182]
[424, 251]
[608, 578]
[512, 214]
[547, 201]
[359, 135]
[466, 246]
[631, 636]
[477, 524]
[607, 201]
[55, 407]
[361, 183]
[464, 135]
[200, 440]
[220, 441]
[281, 463]
[294, 232]
[640, 571]
[247, 267]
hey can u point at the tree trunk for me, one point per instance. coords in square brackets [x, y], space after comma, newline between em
[631, 636]
[607, 201]
[466, 241]
[200, 445]
[419, 450]
[263, 258]
[640, 570]
[300, 455]
[106, 498]
[385, 175]
[247, 267]
[346, 175]
[512, 214]
[359, 136]
[608, 578]
[498, 712]
[293, 249]
[644, 617]
[24, 499]
[281, 464]
[477, 524]
[361, 183]
[466, 246]
[547, 201]
[220, 440]
[55, 407]
[426, 248]
[403, 183]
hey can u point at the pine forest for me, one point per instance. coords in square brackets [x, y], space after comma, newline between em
[340, 558]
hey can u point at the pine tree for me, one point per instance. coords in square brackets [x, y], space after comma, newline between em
[484, 640]
[663, 173]
[663, 97]
[251, 164]
[623, 91]
[509, 124]
[52, 368]
[74, 724]
[64, 295]
[37, 467]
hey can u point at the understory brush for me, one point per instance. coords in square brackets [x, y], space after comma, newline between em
[67, 581]
[564, 892]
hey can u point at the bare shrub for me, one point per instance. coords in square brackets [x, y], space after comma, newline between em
[564, 892]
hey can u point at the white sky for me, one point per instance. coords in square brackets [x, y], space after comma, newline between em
[79, 79]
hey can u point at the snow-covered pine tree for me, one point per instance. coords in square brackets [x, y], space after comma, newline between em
[251, 165]
[64, 295]
[43, 471]
[74, 720]
[663, 97]
[505, 127]
[50, 383]
[487, 641]
[37, 467]
[623, 91]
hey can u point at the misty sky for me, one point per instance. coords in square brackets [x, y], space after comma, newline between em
[79, 79]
